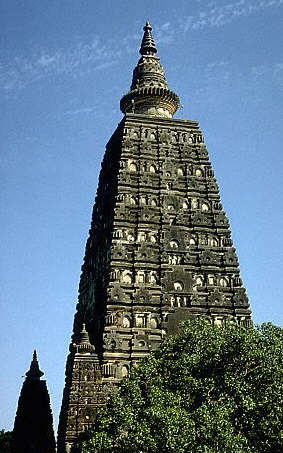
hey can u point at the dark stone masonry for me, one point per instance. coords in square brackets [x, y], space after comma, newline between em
[159, 247]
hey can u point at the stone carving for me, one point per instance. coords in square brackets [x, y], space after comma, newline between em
[230, 258]
[159, 248]
[165, 136]
[221, 220]
[210, 258]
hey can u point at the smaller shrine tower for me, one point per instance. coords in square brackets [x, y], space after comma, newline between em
[33, 428]
[83, 392]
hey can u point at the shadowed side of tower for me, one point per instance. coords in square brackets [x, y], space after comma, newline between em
[33, 428]
[159, 248]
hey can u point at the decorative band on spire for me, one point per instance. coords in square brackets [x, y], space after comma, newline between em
[149, 93]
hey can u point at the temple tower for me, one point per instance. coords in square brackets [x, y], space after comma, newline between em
[159, 248]
[33, 428]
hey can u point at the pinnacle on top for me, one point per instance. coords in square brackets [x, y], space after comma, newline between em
[148, 44]
[34, 373]
[149, 93]
[84, 345]
[84, 337]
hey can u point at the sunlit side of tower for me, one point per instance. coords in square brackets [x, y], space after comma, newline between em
[159, 248]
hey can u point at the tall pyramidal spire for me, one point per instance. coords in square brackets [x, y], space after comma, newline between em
[149, 93]
[33, 428]
[159, 247]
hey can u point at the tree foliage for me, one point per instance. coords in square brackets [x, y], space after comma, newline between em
[5, 441]
[207, 390]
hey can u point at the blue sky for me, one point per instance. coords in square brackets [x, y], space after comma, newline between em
[64, 67]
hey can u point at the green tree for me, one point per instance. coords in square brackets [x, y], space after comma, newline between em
[207, 390]
[5, 441]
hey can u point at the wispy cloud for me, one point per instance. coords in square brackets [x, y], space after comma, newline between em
[275, 70]
[223, 69]
[22, 71]
[217, 15]
[80, 111]
[164, 34]
[222, 72]
[99, 54]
